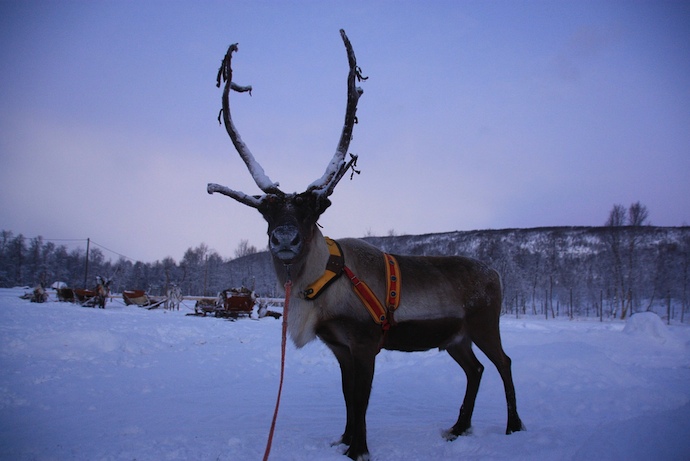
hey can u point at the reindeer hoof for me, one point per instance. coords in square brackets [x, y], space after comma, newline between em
[452, 434]
[362, 457]
[357, 453]
[448, 435]
[335, 443]
[343, 440]
[515, 427]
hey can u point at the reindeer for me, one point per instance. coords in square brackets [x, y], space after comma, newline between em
[444, 302]
[173, 297]
[102, 291]
[173, 291]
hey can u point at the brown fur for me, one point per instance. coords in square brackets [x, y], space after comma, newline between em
[446, 303]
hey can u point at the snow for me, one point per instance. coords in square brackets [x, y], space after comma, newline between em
[647, 324]
[126, 383]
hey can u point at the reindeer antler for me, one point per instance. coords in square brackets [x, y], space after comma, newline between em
[337, 167]
[250, 200]
[257, 172]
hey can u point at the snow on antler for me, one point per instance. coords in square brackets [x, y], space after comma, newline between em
[255, 169]
[338, 166]
[250, 200]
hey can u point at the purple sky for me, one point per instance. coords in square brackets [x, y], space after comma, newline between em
[475, 115]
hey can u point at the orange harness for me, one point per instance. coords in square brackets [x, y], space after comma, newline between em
[383, 315]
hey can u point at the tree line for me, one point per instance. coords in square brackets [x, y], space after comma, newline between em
[614, 270]
[33, 261]
[625, 266]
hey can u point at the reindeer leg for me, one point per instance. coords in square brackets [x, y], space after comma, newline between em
[488, 339]
[357, 375]
[355, 348]
[347, 378]
[363, 361]
[357, 370]
[462, 353]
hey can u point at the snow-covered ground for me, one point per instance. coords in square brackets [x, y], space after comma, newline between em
[126, 383]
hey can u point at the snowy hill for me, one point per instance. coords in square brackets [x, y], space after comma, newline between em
[126, 383]
[605, 272]
[583, 271]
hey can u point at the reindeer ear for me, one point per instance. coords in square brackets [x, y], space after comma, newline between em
[322, 205]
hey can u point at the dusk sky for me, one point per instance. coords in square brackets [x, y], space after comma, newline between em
[476, 115]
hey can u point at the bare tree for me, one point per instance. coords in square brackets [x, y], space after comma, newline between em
[638, 215]
[617, 216]
[623, 243]
[244, 249]
[615, 221]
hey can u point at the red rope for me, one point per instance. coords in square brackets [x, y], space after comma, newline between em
[288, 286]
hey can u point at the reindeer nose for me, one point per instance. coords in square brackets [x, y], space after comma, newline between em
[285, 243]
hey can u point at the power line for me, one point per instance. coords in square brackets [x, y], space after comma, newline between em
[114, 252]
[84, 241]
[59, 240]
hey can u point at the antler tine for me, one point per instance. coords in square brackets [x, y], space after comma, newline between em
[337, 167]
[257, 172]
[251, 200]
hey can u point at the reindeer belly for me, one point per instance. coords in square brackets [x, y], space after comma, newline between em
[422, 335]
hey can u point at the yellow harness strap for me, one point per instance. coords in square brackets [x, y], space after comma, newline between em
[334, 267]
[383, 315]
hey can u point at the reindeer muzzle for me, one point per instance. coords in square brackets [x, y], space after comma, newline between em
[285, 243]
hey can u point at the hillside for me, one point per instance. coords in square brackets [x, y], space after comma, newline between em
[556, 270]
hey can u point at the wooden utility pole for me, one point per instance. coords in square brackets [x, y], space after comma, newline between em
[86, 266]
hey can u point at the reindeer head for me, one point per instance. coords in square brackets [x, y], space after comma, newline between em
[291, 218]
